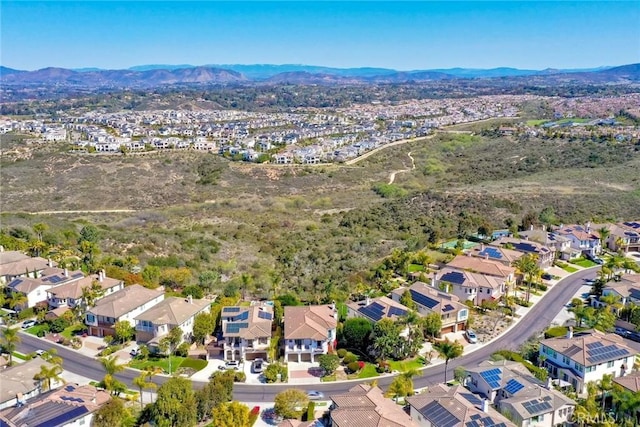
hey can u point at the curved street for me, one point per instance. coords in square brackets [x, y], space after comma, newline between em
[535, 321]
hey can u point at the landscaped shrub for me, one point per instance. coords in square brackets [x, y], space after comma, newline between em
[26, 313]
[353, 366]
[542, 287]
[311, 410]
[239, 377]
[182, 350]
[349, 358]
[253, 415]
[361, 364]
[58, 325]
[341, 353]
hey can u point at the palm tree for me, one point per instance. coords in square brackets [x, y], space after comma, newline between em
[17, 300]
[626, 403]
[408, 375]
[142, 382]
[111, 367]
[10, 341]
[604, 235]
[448, 350]
[48, 373]
[527, 265]
[399, 388]
[51, 356]
[605, 384]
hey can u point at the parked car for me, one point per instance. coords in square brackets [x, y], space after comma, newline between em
[315, 395]
[471, 336]
[547, 276]
[622, 332]
[590, 282]
[28, 324]
[633, 336]
[257, 366]
[39, 352]
[230, 364]
[135, 352]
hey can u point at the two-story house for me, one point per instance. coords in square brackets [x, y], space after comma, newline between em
[35, 289]
[123, 305]
[309, 331]
[246, 332]
[18, 384]
[70, 294]
[152, 325]
[495, 253]
[429, 300]
[627, 289]
[366, 406]
[443, 406]
[543, 253]
[518, 394]
[469, 286]
[16, 264]
[559, 245]
[483, 266]
[582, 238]
[582, 358]
[624, 236]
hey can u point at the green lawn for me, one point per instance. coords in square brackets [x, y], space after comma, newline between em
[160, 362]
[196, 364]
[69, 332]
[35, 329]
[585, 263]
[328, 378]
[415, 267]
[536, 122]
[566, 267]
[405, 365]
[368, 371]
[19, 355]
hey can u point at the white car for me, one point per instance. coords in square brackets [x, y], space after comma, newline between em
[28, 324]
[315, 395]
[39, 352]
[471, 336]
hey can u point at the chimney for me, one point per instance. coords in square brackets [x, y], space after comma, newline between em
[190, 299]
[531, 227]
[66, 272]
[570, 332]
[49, 262]
[1, 248]
[367, 301]
[549, 383]
[433, 281]
[485, 406]
[486, 256]
[588, 226]
[481, 247]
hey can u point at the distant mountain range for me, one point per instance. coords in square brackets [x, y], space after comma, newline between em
[146, 76]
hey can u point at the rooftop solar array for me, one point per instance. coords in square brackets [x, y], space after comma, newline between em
[396, 311]
[373, 311]
[448, 307]
[242, 316]
[231, 309]
[536, 407]
[265, 315]
[633, 224]
[513, 386]
[234, 328]
[491, 253]
[525, 247]
[484, 422]
[53, 279]
[492, 377]
[64, 419]
[600, 353]
[423, 300]
[439, 415]
[72, 399]
[453, 277]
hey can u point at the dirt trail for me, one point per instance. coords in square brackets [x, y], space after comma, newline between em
[79, 211]
[392, 175]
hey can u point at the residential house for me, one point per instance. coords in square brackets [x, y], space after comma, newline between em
[376, 309]
[69, 294]
[582, 238]
[309, 331]
[170, 313]
[246, 331]
[544, 254]
[519, 395]
[366, 406]
[429, 300]
[18, 383]
[69, 406]
[35, 289]
[470, 286]
[16, 264]
[483, 266]
[582, 358]
[630, 383]
[627, 289]
[495, 253]
[443, 406]
[124, 304]
[559, 245]
[624, 237]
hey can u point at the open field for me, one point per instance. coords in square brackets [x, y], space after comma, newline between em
[318, 228]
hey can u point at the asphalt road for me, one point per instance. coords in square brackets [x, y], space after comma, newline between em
[535, 321]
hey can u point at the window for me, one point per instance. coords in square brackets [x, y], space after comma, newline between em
[610, 364]
[91, 318]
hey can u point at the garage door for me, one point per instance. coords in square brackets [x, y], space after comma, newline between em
[447, 329]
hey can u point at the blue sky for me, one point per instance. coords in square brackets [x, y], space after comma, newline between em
[400, 35]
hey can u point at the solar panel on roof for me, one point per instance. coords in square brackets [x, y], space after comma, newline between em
[424, 300]
[77, 275]
[54, 279]
[71, 415]
[536, 406]
[371, 313]
[513, 386]
[453, 277]
[448, 307]
[491, 253]
[231, 309]
[593, 345]
[396, 311]
[439, 416]
[265, 315]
